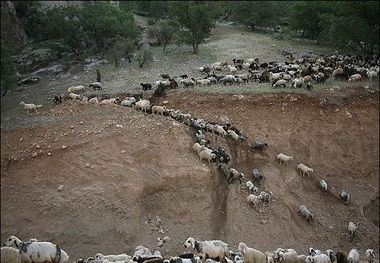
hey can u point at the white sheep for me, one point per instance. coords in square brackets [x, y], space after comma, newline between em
[352, 229]
[251, 255]
[235, 175]
[306, 213]
[296, 83]
[313, 252]
[323, 185]
[234, 135]
[206, 155]
[301, 258]
[355, 77]
[156, 109]
[304, 170]
[76, 89]
[218, 129]
[30, 107]
[38, 251]
[353, 256]
[214, 249]
[344, 196]
[111, 101]
[128, 102]
[251, 187]
[287, 255]
[284, 159]
[197, 147]
[10, 255]
[253, 199]
[370, 255]
[74, 96]
[118, 257]
[143, 105]
[330, 254]
[93, 100]
[371, 74]
[320, 258]
[280, 83]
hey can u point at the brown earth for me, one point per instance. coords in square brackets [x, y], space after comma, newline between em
[109, 178]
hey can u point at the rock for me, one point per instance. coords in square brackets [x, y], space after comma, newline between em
[29, 80]
[60, 188]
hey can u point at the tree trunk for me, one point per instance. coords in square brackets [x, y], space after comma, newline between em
[164, 46]
[195, 48]
[141, 63]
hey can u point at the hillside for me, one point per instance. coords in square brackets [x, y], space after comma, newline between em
[109, 178]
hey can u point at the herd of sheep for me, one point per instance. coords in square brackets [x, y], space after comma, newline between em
[198, 251]
[292, 73]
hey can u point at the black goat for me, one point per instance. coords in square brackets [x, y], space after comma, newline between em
[58, 99]
[146, 86]
[165, 76]
[259, 145]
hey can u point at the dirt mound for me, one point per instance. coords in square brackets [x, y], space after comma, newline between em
[109, 178]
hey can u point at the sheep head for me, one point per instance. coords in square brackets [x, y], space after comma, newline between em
[242, 248]
[190, 243]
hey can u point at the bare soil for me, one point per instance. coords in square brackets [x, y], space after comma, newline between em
[107, 179]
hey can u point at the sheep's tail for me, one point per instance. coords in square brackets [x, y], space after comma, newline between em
[39, 106]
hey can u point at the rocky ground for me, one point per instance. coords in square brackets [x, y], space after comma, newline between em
[109, 178]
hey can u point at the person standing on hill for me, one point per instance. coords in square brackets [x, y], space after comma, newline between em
[97, 75]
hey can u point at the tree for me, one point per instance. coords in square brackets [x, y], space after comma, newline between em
[195, 22]
[352, 26]
[8, 70]
[164, 32]
[256, 13]
[102, 21]
[121, 47]
[144, 55]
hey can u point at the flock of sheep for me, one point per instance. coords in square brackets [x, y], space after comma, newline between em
[208, 251]
[293, 73]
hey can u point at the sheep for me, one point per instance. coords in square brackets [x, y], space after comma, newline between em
[251, 187]
[251, 255]
[285, 255]
[58, 99]
[38, 251]
[296, 83]
[93, 100]
[206, 155]
[352, 229]
[306, 213]
[253, 199]
[284, 159]
[119, 257]
[344, 196]
[330, 254]
[111, 101]
[259, 145]
[187, 82]
[257, 176]
[128, 102]
[146, 86]
[235, 136]
[320, 258]
[203, 82]
[266, 196]
[280, 83]
[158, 109]
[313, 252]
[323, 185]
[353, 256]
[30, 107]
[74, 96]
[304, 170]
[234, 174]
[227, 79]
[341, 257]
[238, 61]
[371, 74]
[143, 105]
[218, 129]
[198, 148]
[164, 76]
[96, 86]
[337, 71]
[301, 258]
[213, 249]
[76, 89]
[355, 77]
[10, 255]
[370, 255]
